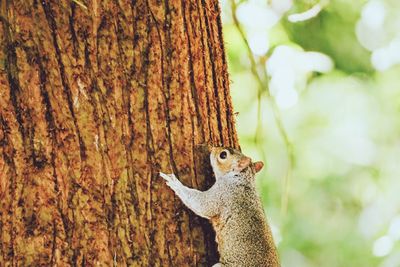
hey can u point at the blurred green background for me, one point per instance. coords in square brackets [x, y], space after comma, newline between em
[328, 72]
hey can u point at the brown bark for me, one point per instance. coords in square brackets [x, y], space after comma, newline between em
[93, 104]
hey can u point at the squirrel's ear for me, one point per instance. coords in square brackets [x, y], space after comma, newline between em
[258, 166]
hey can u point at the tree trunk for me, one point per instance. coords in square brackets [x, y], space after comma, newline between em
[96, 97]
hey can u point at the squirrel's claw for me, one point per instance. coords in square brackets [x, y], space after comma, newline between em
[171, 180]
[165, 176]
[168, 177]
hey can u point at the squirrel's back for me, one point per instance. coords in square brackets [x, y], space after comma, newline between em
[243, 236]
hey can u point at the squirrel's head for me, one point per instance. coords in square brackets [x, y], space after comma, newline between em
[228, 160]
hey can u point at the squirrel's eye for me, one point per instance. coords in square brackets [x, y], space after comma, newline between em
[223, 155]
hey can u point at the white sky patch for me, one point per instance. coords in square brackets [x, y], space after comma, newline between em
[312, 12]
[394, 229]
[393, 260]
[276, 232]
[369, 193]
[355, 150]
[287, 98]
[382, 246]
[314, 61]
[282, 79]
[377, 31]
[281, 6]
[259, 43]
[289, 69]
[291, 257]
[386, 57]
[370, 222]
[371, 30]
[286, 57]
[373, 14]
[257, 15]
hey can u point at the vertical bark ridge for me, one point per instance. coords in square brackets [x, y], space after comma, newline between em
[220, 67]
[195, 122]
[168, 79]
[211, 54]
[67, 91]
[230, 119]
[7, 193]
[161, 112]
[171, 103]
[196, 126]
[52, 134]
[56, 131]
[71, 19]
[206, 64]
[149, 139]
[198, 119]
[139, 152]
[123, 36]
[11, 69]
[132, 188]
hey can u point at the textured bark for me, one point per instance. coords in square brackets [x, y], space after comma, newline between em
[93, 104]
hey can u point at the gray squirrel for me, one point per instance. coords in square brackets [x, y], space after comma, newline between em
[234, 209]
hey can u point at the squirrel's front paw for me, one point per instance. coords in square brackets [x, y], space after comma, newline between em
[168, 177]
[171, 180]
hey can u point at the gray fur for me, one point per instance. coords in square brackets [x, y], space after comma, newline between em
[234, 208]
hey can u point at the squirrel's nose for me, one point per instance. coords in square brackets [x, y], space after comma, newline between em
[244, 162]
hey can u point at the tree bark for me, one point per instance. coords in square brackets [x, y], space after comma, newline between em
[96, 97]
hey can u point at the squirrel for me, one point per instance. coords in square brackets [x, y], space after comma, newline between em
[234, 208]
